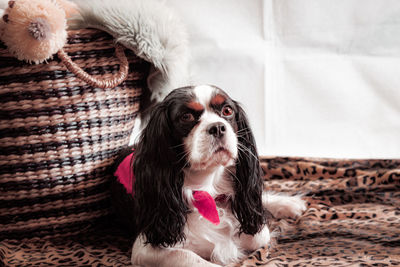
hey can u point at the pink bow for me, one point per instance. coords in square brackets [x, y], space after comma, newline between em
[206, 206]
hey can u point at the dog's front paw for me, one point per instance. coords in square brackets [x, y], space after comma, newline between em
[284, 206]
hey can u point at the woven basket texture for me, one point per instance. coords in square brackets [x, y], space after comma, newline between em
[58, 137]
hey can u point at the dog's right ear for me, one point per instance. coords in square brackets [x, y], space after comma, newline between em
[161, 211]
[247, 205]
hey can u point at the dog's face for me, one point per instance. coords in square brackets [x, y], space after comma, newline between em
[204, 117]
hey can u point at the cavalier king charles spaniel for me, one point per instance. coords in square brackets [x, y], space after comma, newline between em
[198, 188]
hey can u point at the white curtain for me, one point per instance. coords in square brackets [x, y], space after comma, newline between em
[317, 77]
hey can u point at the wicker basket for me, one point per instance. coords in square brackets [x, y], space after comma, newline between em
[58, 136]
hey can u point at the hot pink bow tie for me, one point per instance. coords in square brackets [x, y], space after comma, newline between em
[206, 206]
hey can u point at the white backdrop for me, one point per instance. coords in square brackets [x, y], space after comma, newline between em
[317, 77]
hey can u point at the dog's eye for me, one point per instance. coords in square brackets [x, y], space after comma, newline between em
[187, 117]
[227, 111]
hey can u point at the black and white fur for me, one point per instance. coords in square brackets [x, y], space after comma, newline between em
[198, 138]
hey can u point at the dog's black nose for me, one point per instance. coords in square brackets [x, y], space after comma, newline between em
[217, 129]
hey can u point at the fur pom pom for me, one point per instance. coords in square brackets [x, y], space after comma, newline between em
[34, 30]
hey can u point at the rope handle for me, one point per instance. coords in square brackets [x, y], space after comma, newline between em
[99, 82]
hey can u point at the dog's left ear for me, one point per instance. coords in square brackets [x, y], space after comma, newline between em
[161, 211]
[247, 204]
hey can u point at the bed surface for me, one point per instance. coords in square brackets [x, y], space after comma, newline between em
[353, 218]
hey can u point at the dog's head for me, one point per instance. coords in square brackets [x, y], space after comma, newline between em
[194, 128]
[205, 124]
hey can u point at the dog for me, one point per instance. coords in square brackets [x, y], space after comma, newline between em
[198, 187]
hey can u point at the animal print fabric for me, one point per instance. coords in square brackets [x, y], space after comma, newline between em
[353, 216]
[353, 219]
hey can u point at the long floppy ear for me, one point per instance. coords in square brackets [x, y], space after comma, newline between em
[161, 210]
[247, 203]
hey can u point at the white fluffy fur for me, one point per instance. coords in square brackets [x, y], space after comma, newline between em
[282, 206]
[151, 30]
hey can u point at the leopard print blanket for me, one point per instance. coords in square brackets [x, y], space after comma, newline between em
[353, 219]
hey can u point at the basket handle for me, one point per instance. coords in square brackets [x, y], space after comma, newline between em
[99, 82]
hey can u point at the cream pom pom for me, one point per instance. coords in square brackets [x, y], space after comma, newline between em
[34, 30]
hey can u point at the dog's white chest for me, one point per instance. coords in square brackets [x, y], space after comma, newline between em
[219, 243]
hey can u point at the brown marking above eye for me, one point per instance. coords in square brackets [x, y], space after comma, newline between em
[218, 100]
[195, 106]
